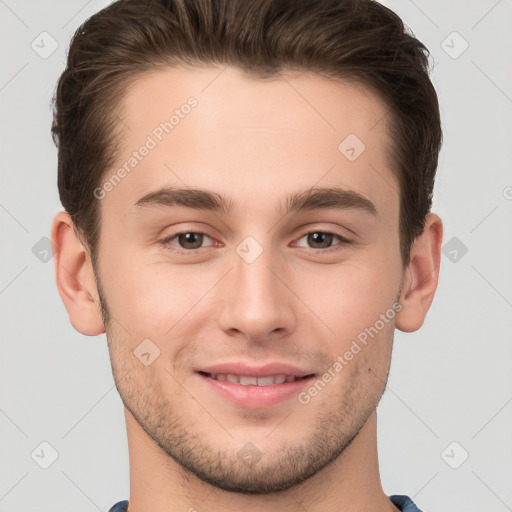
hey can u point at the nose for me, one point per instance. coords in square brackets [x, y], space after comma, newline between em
[257, 303]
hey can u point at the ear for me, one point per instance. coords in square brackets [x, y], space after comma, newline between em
[421, 276]
[75, 277]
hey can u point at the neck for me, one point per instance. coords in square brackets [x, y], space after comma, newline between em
[351, 482]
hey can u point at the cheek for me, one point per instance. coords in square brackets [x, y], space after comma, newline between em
[160, 301]
[149, 296]
[366, 361]
[349, 298]
[145, 299]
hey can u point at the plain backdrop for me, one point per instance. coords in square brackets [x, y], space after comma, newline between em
[445, 421]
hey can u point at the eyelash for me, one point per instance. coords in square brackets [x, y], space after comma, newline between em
[166, 242]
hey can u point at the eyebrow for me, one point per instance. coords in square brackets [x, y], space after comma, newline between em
[324, 198]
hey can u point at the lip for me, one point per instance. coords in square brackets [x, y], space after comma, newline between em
[255, 397]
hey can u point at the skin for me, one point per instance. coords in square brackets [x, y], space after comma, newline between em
[255, 142]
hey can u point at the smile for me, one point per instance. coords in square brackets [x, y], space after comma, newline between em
[247, 380]
[254, 391]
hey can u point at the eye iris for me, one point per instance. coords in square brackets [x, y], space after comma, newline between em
[325, 239]
[196, 239]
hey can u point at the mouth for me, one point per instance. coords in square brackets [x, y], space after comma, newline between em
[251, 380]
[254, 388]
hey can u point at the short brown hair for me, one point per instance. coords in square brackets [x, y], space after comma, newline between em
[358, 40]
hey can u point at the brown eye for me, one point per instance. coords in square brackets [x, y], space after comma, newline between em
[322, 240]
[186, 241]
[319, 240]
[190, 240]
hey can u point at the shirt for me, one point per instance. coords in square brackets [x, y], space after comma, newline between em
[404, 503]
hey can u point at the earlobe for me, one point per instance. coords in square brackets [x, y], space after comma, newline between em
[75, 277]
[421, 276]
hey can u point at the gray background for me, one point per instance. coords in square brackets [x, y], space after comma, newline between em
[450, 382]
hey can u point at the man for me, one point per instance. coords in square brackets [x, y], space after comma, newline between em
[247, 188]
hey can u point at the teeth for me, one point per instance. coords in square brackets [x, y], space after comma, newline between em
[266, 381]
[247, 380]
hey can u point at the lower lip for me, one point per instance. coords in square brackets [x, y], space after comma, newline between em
[255, 397]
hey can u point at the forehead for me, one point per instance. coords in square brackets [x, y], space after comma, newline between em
[218, 129]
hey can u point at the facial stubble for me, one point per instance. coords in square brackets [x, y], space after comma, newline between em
[339, 420]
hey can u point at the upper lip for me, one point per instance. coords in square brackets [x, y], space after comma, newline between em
[267, 370]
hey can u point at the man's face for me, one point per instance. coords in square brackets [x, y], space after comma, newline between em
[251, 291]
